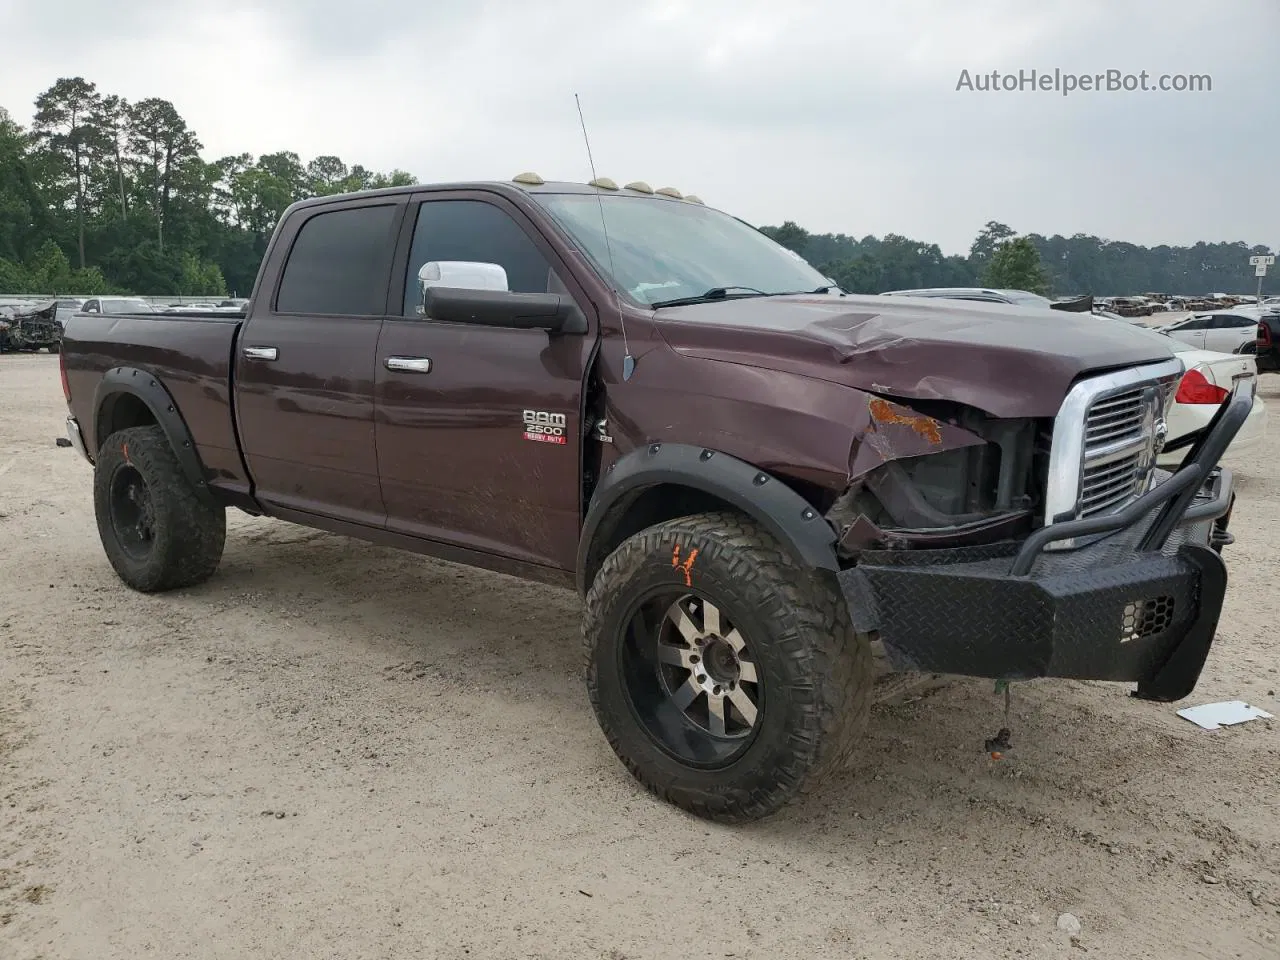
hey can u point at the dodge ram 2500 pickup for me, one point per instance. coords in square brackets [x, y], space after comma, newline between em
[750, 476]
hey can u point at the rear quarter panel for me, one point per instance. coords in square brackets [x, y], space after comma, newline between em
[190, 355]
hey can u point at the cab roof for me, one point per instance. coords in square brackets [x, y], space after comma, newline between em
[528, 183]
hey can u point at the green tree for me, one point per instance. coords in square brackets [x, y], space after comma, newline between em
[64, 126]
[988, 241]
[111, 118]
[1015, 265]
[23, 217]
[164, 146]
[200, 278]
[791, 235]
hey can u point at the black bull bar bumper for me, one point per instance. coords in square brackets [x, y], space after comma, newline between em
[1137, 600]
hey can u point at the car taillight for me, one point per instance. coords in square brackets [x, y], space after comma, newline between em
[1264, 335]
[1194, 388]
[62, 371]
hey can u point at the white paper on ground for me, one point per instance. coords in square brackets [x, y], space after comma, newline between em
[1211, 716]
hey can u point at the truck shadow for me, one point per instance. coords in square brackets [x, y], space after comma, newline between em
[489, 633]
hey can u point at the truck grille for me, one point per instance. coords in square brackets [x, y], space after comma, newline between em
[1116, 436]
[1104, 442]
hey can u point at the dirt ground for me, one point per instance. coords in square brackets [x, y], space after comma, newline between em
[334, 750]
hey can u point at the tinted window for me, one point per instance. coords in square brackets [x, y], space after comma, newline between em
[480, 232]
[338, 264]
[1230, 321]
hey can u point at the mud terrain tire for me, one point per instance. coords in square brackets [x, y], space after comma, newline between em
[157, 532]
[814, 672]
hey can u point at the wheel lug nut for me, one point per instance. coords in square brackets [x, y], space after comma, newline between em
[716, 691]
[702, 678]
[694, 659]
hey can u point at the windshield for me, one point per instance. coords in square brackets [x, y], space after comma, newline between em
[668, 249]
[126, 306]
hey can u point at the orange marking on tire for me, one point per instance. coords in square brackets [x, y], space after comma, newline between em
[687, 567]
[125, 450]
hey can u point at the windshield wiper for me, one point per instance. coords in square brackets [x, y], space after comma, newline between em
[715, 293]
[724, 293]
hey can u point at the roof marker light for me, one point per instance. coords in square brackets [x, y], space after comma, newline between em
[692, 199]
[604, 183]
[670, 192]
[639, 186]
[528, 177]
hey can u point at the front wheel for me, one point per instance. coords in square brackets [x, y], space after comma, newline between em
[156, 530]
[726, 677]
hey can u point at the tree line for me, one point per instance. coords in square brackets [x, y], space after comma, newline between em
[999, 257]
[101, 195]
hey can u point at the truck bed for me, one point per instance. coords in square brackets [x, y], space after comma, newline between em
[192, 356]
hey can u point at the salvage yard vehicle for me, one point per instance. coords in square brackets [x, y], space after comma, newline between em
[1204, 387]
[113, 306]
[1267, 342]
[27, 326]
[1223, 331]
[749, 476]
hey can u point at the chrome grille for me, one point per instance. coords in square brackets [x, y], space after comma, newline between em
[1104, 442]
[1116, 435]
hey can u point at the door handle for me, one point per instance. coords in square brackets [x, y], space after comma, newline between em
[409, 364]
[261, 353]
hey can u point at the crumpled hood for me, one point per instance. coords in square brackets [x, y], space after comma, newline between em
[1009, 361]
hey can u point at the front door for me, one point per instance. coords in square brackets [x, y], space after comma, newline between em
[1190, 331]
[304, 365]
[464, 452]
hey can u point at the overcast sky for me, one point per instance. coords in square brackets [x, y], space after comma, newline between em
[840, 114]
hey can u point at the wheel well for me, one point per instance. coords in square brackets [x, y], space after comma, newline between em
[648, 507]
[121, 411]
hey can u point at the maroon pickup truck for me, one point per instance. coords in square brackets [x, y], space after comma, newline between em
[750, 476]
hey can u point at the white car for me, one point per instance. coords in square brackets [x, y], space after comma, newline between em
[1223, 331]
[1205, 385]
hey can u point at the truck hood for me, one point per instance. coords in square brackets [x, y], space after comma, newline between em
[1009, 361]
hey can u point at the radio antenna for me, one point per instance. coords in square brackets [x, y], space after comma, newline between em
[628, 361]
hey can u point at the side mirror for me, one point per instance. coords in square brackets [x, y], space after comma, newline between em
[460, 275]
[552, 312]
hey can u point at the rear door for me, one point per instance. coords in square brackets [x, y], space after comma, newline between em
[461, 409]
[304, 365]
[1229, 332]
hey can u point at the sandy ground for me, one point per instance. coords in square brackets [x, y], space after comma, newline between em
[332, 750]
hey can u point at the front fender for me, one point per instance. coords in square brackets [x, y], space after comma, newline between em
[782, 511]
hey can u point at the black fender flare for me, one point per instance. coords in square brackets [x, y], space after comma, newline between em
[765, 498]
[147, 387]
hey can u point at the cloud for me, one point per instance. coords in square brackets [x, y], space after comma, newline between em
[841, 115]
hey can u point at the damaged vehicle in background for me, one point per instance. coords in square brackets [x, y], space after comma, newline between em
[750, 477]
[28, 326]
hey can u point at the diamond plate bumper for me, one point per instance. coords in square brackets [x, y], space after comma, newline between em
[1137, 601]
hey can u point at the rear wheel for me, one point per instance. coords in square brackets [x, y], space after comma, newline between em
[725, 676]
[157, 532]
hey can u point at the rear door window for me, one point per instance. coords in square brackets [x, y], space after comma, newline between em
[339, 263]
